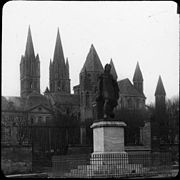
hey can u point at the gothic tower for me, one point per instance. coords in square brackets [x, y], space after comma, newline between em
[160, 96]
[88, 82]
[29, 69]
[160, 127]
[88, 85]
[138, 79]
[59, 71]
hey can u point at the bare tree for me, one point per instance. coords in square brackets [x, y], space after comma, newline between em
[172, 108]
[22, 130]
[134, 120]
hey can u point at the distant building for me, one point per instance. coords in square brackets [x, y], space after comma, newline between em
[132, 95]
[32, 107]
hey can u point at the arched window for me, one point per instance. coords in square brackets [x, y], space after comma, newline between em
[130, 103]
[56, 75]
[63, 86]
[48, 119]
[120, 102]
[87, 99]
[51, 86]
[39, 119]
[30, 85]
[32, 120]
[139, 104]
[81, 98]
[35, 84]
[59, 84]
[95, 89]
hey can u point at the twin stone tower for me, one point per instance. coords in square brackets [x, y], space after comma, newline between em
[30, 69]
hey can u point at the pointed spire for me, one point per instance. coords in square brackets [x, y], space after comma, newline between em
[137, 74]
[160, 88]
[29, 52]
[67, 63]
[67, 67]
[113, 70]
[92, 62]
[58, 51]
[37, 57]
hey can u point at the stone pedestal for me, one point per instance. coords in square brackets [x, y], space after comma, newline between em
[108, 136]
[108, 143]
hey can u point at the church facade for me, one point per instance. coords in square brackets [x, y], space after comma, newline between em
[32, 107]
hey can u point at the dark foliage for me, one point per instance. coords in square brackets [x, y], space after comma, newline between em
[134, 119]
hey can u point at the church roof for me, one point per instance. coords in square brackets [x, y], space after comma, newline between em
[29, 51]
[126, 88]
[12, 103]
[137, 74]
[65, 99]
[160, 88]
[92, 62]
[35, 99]
[113, 70]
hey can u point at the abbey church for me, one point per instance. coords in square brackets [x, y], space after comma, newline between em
[34, 107]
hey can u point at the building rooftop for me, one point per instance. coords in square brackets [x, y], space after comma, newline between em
[92, 62]
[126, 88]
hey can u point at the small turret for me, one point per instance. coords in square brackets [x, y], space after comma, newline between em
[160, 96]
[160, 91]
[138, 79]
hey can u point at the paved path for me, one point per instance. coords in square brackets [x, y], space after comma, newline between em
[33, 175]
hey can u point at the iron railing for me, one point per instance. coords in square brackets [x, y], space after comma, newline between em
[113, 165]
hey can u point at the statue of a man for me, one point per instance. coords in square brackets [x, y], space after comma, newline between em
[107, 95]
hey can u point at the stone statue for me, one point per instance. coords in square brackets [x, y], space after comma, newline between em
[107, 94]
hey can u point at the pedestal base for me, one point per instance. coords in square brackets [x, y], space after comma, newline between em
[108, 143]
[108, 136]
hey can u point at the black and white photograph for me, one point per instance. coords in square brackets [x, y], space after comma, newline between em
[90, 89]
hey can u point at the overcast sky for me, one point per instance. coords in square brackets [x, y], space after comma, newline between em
[127, 32]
